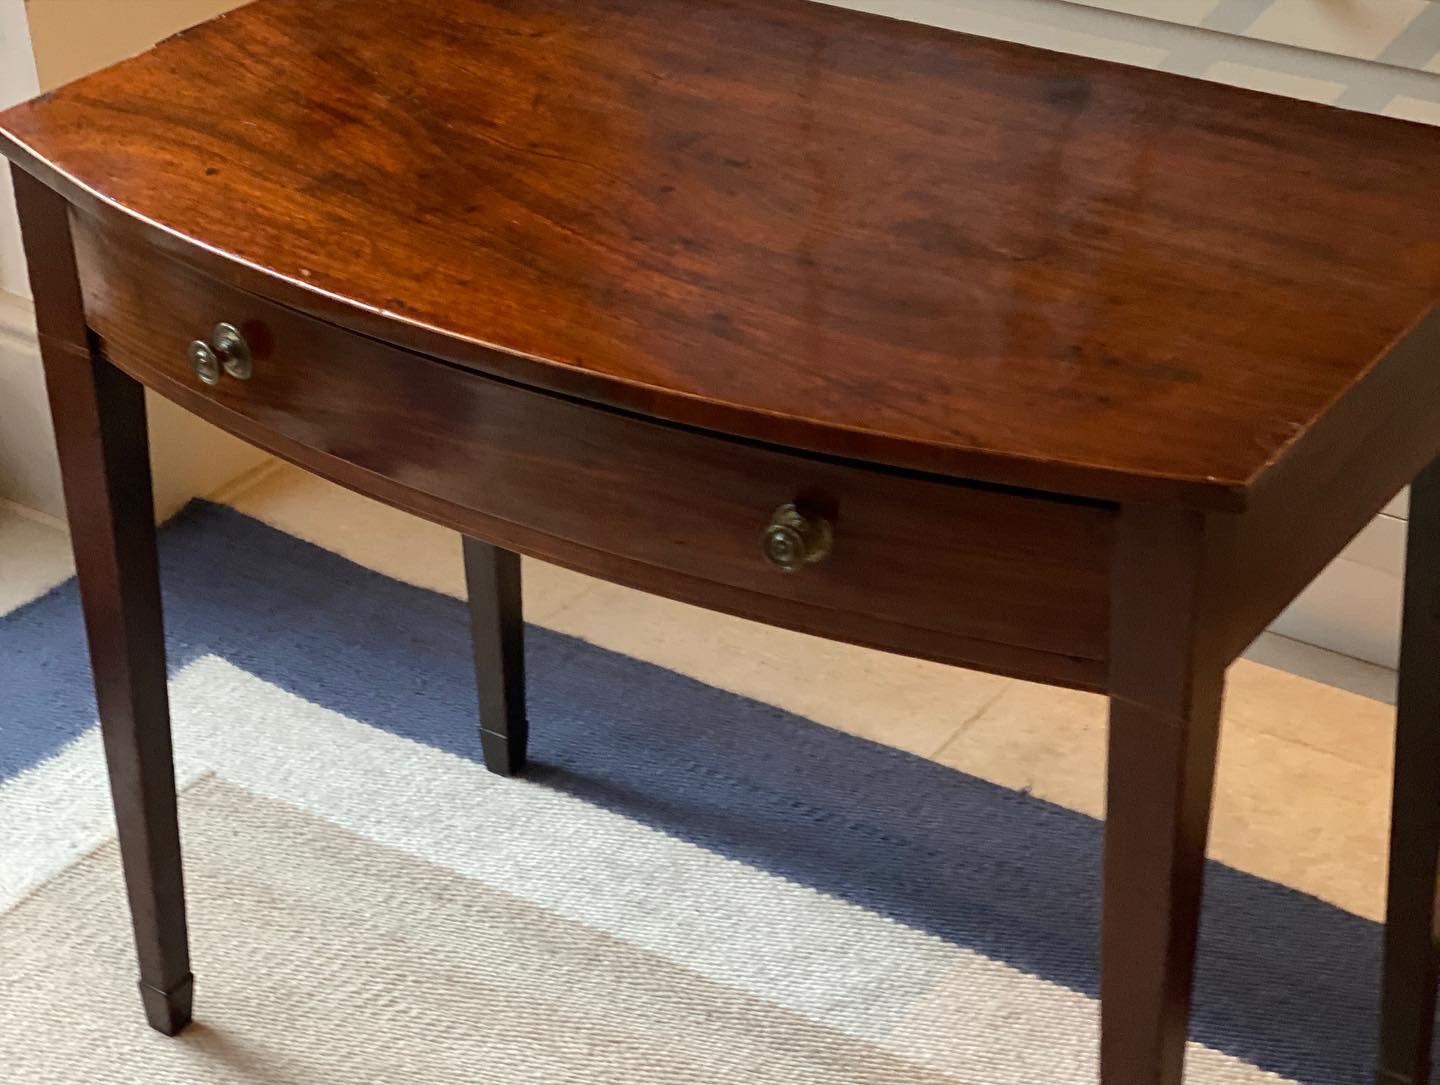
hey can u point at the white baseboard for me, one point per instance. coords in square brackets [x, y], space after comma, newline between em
[17, 317]
[29, 474]
[1353, 607]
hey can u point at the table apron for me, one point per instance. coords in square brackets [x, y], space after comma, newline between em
[1004, 580]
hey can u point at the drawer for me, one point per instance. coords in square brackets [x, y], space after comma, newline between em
[995, 578]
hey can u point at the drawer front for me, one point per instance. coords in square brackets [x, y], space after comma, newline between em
[920, 565]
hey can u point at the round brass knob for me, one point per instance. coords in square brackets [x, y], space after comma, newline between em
[233, 351]
[204, 362]
[793, 539]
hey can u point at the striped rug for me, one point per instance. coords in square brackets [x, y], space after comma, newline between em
[690, 886]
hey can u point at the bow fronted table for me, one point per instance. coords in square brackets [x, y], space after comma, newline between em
[955, 348]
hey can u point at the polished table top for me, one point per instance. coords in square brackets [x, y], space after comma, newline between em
[787, 221]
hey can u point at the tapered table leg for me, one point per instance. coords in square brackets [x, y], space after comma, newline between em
[1166, 682]
[1407, 1014]
[99, 416]
[497, 633]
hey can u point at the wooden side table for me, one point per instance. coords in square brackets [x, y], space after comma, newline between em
[955, 348]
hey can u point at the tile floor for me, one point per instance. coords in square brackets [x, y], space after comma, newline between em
[1302, 791]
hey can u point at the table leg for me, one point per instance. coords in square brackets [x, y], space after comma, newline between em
[1407, 1014]
[497, 633]
[1167, 677]
[99, 416]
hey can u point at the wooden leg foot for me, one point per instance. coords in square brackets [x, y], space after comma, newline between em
[1386, 1077]
[168, 1011]
[502, 756]
[497, 633]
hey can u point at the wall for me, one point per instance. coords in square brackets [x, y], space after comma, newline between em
[17, 82]
[27, 464]
[71, 38]
[75, 37]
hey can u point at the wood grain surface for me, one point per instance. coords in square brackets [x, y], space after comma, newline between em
[786, 221]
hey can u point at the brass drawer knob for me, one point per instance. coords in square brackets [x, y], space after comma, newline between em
[233, 351]
[793, 539]
[204, 362]
[227, 350]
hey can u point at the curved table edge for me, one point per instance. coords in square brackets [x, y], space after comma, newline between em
[666, 405]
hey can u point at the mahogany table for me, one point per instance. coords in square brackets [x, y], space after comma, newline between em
[1015, 360]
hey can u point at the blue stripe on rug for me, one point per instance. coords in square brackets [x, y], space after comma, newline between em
[1286, 982]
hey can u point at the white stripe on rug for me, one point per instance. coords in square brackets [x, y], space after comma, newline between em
[842, 966]
[56, 812]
